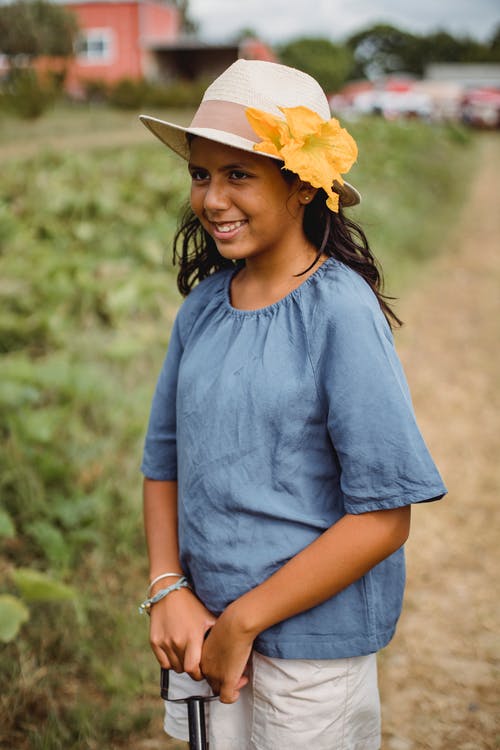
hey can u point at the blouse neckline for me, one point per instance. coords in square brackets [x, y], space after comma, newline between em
[268, 309]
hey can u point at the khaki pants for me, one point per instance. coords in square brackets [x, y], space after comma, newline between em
[328, 704]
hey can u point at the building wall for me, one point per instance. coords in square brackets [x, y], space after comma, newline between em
[123, 27]
[465, 74]
[158, 23]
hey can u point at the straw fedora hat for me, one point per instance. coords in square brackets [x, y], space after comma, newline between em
[247, 83]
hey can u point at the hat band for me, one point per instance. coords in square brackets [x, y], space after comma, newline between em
[229, 117]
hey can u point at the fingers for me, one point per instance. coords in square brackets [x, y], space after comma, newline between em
[228, 694]
[192, 657]
[167, 657]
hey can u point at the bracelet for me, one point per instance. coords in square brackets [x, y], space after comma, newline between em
[146, 605]
[160, 578]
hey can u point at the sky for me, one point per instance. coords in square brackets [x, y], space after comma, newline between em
[280, 20]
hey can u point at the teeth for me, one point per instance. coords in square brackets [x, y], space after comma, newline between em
[229, 227]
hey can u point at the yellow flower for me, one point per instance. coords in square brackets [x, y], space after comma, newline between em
[318, 151]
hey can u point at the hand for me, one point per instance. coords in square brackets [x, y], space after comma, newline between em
[178, 625]
[225, 655]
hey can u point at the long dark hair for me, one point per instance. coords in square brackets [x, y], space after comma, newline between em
[333, 234]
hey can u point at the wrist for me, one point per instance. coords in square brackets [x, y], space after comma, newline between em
[162, 577]
[243, 617]
[147, 604]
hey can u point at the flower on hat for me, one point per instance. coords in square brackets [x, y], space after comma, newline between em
[318, 151]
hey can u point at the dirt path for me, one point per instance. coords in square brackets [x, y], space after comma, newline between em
[439, 677]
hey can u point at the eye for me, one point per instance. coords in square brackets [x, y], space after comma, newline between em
[238, 174]
[199, 175]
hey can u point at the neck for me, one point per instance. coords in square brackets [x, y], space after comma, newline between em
[282, 267]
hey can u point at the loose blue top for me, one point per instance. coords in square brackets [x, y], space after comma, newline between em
[276, 423]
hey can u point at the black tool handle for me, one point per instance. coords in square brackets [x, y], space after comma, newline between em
[196, 721]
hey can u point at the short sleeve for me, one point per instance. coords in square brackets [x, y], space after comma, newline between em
[384, 462]
[159, 459]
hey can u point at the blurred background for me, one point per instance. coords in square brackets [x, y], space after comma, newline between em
[89, 203]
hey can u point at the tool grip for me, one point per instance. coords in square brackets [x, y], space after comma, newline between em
[196, 721]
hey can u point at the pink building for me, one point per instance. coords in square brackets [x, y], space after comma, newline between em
[142, 39]
[117, 38]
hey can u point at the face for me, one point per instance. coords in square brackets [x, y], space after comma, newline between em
[243, 201]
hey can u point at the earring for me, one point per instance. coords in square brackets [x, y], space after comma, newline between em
[307, 197]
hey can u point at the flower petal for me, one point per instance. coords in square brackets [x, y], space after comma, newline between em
[267, 126]
[266, 147]
[302, 121]
[341, 148]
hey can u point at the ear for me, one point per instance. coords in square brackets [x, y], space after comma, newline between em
[306, 193]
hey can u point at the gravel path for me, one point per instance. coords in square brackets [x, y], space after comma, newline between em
[439, 677]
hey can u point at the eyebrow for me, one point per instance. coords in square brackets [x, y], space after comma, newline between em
[224, 168]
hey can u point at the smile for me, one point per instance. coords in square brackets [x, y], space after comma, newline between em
[228, 226]
[226, 230]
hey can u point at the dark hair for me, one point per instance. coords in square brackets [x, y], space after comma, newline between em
[334, 234]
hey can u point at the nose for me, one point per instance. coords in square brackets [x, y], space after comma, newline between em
[216, 196]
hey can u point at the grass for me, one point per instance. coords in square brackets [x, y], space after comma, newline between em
[68, 121]
[87, 297]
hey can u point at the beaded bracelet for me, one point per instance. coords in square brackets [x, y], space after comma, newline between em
[146, 605]
[160, 578]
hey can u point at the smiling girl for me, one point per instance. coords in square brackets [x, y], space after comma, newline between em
[282, 454]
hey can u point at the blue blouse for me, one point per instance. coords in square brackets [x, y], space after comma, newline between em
[276, 422]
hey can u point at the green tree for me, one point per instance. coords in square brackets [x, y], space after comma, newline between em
[383, 49]
[245, 33]
[31, 28]
[494, 45]
[188, 24]
[331, 64]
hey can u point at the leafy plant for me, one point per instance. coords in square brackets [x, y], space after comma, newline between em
[27, 94]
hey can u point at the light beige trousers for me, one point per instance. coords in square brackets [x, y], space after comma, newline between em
[327, 704]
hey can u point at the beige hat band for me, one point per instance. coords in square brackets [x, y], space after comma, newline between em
[226, 116]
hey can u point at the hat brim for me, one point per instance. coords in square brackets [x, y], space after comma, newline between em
[174, 136]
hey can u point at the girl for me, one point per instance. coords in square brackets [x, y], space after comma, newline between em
[282, 453]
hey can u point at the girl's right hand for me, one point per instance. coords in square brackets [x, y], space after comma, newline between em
[179, 623]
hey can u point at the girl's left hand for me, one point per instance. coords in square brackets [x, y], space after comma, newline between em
[225, 655]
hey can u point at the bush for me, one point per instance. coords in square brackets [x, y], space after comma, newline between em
[128, 93]
[177, 95]
[134, 94]
[27, 94]
[95, 90]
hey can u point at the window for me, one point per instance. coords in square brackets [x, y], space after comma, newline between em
[95, 46]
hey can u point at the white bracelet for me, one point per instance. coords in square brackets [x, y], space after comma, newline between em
[160, 578]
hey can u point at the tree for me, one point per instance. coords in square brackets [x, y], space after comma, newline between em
[31, 28]
[330, 64]
[188, 25]
[245, 33]
[383, 49]
[494, 45]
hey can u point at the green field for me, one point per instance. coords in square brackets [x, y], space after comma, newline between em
[87, 298]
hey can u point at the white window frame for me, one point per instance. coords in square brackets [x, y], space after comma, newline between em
[99, 46]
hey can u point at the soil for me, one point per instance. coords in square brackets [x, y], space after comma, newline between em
[439, 677]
